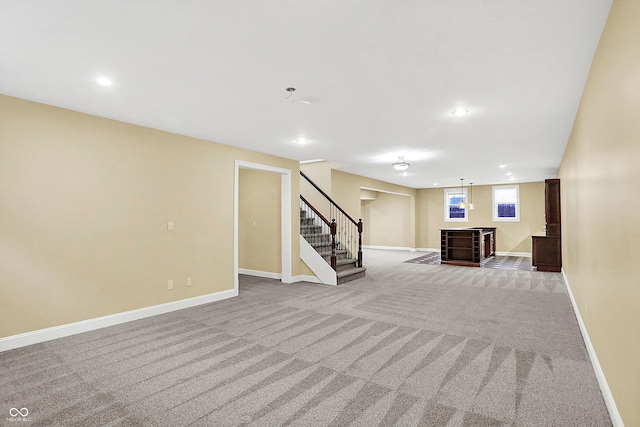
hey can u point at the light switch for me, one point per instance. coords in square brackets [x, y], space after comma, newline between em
[170, 284]
[170, 226]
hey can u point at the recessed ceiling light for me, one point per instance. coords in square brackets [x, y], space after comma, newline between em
[302, 141]
[503, 166]
[460, 112]
[404, 174]
[508, 173]
[435, 183]
[104, 81]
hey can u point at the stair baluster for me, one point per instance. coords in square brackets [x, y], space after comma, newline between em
[339, 235]
[360, 242]
[334, 260]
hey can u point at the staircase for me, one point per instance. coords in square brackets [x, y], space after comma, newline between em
[338, 242]
[346, 268]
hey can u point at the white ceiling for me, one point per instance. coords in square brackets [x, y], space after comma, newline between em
[383, 76]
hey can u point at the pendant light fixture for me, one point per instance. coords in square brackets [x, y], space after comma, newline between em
[471, 206]
[401, 164]
[462, 204]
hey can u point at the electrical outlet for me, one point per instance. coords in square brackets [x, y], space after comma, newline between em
[188, 281]
[170, 226]
[170, 284]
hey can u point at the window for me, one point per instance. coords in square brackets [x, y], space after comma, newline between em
[452, 213]
[506, 203]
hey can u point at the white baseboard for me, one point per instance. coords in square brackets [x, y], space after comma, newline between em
[428, 250]
[48, 334]
[306, 278]
[390, 248]
[516, 254]
[278, 276]
[616, 419]
[258, 273]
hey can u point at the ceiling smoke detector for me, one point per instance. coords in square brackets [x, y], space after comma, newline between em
[290, 90]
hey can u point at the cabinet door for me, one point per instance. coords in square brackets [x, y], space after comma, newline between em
[552, 206]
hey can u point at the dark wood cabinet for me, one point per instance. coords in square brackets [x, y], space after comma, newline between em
[467, 246]
[547, 253]
[552, 207]
[547, 250]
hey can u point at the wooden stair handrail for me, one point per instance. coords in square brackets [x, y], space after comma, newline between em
[315, 211]
[328, 198]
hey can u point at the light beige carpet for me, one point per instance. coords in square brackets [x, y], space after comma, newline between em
[408, 345]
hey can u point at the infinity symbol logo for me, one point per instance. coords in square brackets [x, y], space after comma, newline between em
[14, 412]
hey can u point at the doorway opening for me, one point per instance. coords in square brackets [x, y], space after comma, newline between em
[285, 218]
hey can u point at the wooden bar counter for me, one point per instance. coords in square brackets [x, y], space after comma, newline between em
[467, 246]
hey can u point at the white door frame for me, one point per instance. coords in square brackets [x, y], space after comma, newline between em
[285, 216]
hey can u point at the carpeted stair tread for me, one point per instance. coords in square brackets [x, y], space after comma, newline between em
[351, 271]
[350, 274]
[346, 269]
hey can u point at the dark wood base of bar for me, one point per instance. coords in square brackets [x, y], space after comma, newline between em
[469, 247]
[462, 263]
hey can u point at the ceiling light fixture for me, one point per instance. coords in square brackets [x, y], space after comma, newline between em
[471, 205]
[302, 141]
[462, 204]
[460, 112]
[104, 81]
[401, 164]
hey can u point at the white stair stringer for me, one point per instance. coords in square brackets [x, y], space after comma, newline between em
[317, 264]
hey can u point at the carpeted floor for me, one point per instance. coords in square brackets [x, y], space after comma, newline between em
[408, 345]
[498, 262]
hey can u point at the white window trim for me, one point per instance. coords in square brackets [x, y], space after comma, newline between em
[494, 205]
[448, 191]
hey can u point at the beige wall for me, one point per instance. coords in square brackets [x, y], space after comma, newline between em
[346, 191]
[600, 178]
[320, 174]
[368, 195]
[388, 221]
[259, 221]
[84, 206]
[510, 236]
